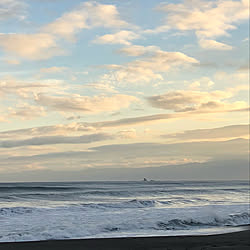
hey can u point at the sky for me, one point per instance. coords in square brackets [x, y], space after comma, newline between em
[122, 90]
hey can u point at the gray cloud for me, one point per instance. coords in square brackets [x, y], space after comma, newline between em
[46, 140]
[201, 134]
[198, 101]
[131, 121]
[213, 170]
[114, 153]
[12, 9]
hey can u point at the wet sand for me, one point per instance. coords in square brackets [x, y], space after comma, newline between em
[237, 241]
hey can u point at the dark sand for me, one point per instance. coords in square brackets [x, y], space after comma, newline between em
[236, 241]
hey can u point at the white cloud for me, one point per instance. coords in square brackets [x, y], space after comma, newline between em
[138, 50]
[30, 46]
[209, 19]
[195, 85]
[45, 43]
[59, 129]
[86, 16]
[53, 69]
[148, 68]
[203, 82]
[214, 45]
[27, 89]
[101, 87]
[86, 104]
[121, 37]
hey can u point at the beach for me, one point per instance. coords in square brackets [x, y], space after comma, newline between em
[236, 240]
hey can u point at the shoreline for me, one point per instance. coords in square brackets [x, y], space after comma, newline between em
[236, 240]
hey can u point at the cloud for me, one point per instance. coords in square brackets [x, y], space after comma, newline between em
[227, 132]
[132, 121]
[45, 43]
[212, 170]
[48, 140]
[201, 101]
[53, 69]
[209, 19]
[121, 37]
[30, 46]
[12, 9]
[138, 50]
[234, 77]
[27, 89]
[101, 87]
[213, 45]
[26, 111]
[75, 102]
[148, 68]
[134, 154]
[203, 82]
[86, 16]
[194, 15]
[127, 133]
[11, 61]
[59, 129]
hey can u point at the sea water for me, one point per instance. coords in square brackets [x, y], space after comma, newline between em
[65, 210]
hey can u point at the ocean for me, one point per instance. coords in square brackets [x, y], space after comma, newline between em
[67, 210]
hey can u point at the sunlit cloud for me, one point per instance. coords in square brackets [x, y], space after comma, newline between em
[201, 101]
[122, 37]
[30, 46]
[45, 43]
[75, 102]
[53, 69]
[214, 45]
[26, 112]
[148, 68]
[223, 16]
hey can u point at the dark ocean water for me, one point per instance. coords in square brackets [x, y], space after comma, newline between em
[39, 211]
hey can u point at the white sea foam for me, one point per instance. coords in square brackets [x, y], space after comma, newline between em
[72, 212]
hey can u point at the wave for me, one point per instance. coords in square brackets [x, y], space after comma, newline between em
[6, 211]
[84, 221]
[185, 224]
[230, 220]
[135, 203]
[35, 188]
